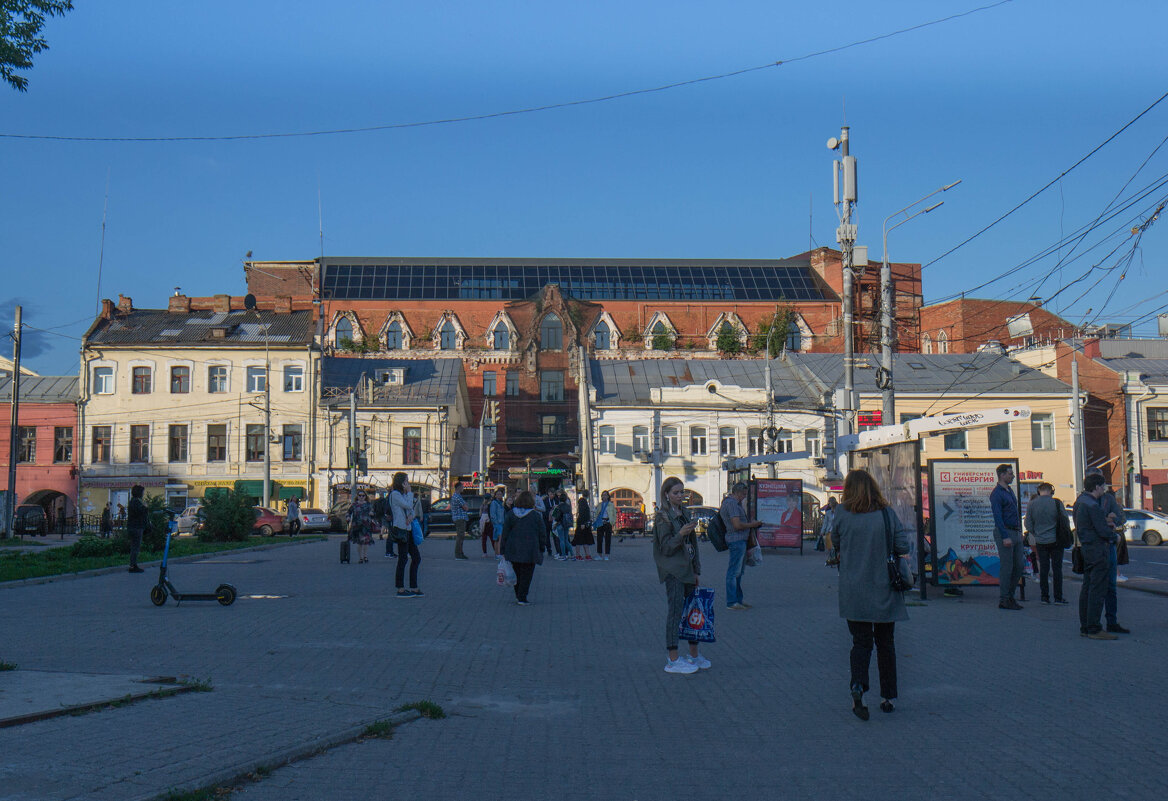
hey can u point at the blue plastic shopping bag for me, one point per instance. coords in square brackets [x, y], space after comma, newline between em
[416, 530]
[697, 619]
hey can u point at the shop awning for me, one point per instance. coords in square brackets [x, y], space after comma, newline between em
[255, 487]
[290, 492]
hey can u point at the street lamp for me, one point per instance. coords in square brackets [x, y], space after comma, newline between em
[884, 377]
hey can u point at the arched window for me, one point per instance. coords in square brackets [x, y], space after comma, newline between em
[602, 335]
[501, 339]
[393, 336]
[551, 333]
[448, 336]
[343, 332]
[942, 342]
[926, 343]
[794, 337]
[626, 497]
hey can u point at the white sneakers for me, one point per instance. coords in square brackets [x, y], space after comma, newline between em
[680, 665]
[698, 661]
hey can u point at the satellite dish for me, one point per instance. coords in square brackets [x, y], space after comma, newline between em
[832, 143]
[249, 302]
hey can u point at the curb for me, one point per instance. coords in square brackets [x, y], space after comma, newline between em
[241, 772]
[33, 717]
[103, 571]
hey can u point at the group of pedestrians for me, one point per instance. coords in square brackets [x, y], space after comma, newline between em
[571, 534]
[399, 516]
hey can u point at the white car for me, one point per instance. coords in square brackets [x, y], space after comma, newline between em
[314, 520]
[1150, 528]
[190, 519]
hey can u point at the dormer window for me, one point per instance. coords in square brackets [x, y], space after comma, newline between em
[602, 336]
[551, 333]
[343, 332]
[393, 336]
[502, 338]
[448, 336]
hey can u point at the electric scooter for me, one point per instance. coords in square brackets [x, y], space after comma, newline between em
[224, 593]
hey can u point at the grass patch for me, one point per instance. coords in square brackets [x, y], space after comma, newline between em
[59, 561]
[7, 666]
[198, 685]
[13, 543]
[427, 709]
[381, 729]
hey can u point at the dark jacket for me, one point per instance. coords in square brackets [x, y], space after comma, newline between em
[137, 515]
[524, 538]
[674, 554]
[1091, 521]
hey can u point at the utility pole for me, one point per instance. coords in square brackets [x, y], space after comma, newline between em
[267, 422]
[1080, 465]
[846, 196]
[770, 399]
[529, 472]
[353, 444]
[13, 427]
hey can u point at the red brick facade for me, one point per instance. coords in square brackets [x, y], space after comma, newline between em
[962, 325]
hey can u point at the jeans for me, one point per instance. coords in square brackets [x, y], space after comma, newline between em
[523, 573]
[565, 539]
[1094, 589]
[604, 539]
[459, 534]
[1011, 560]
[1050, 561]
[407, 551]
[1111, 601]
[863, 635]
[676, 591]
[734, 572]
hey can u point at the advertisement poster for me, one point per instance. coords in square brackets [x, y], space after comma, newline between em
[778, 503]
[963, 523]
[895, 469]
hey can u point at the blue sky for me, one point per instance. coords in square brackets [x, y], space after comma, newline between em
[1005, 99]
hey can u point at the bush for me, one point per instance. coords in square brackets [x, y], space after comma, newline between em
[662, 342]
[227, 516]
[98, 546]
[158, 517]
[728, 341]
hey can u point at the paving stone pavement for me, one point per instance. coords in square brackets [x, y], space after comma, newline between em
[567, 697]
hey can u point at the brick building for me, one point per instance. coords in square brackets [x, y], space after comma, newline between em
[965, 324]
[46, 459]
[522, 326]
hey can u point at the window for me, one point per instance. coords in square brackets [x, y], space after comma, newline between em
[999, 437]
[100, 449]
[926, 343]
[343, 333]
[180, 380]
[26, 445]
[512, 384]
[956, 441]
[501, 339]
[448, 336]
[63, 444]
[103, 380]
[607, 439]
[257, 379]
[697, 441]
[602, 335]
[1042, 431]
[293, 442]
[393, 336]
[217, 442]
[551, 333]
[641, 439]
[255, 442]
[140, 383]
[670, 441]
[489, 388]
[728, 441]
[794, 337]
[217, 378]
[814, 443]
[177, 451]
[551, 385]
[942, 342]
[293, 378]
[552, 426]
[140, 444]
[412, 445]
[1157, 423]
[785, 442]
[754, 442]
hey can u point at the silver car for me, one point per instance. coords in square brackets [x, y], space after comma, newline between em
[190, 519]
[314, 520]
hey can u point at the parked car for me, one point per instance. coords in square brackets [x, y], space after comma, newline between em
[30, 519]
[314, 520]
[190, 519]
[440, 519]
[700, 514]
[1150, 528]
[630, 521]
[268, 522]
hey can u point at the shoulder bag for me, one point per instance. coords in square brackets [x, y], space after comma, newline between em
[1077, 566]
[899, 573]
[1062, 528]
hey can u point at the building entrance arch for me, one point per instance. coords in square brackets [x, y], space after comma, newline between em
[627, 497]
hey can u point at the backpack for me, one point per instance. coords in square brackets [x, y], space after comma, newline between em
[557, 513]
[716, 531]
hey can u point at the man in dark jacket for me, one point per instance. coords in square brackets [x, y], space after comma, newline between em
[1095, 537]
[1008, 536]
[1113, 511]
[136, 520]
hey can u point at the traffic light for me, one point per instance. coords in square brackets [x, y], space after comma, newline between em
[1130, 462]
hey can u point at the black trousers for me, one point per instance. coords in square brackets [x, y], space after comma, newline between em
[523, 573]
[293, 527]
[407, 551]
[1050, 561]
[135, 535]
[863, 636]
[604, 539]
[1093, 591]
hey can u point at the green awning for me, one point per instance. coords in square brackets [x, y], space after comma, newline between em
[290, 492]
[211, 492]
[255, 487]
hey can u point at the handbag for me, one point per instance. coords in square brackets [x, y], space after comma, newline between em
[754, 556]
[1077, 557]
[697, 616]
[1063, 538]
[1121, 557]
[900, 576]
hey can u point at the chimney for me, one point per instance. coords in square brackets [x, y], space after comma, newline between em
[179, 304]
[107, 309]
[125, 304]
[221, 304]
[283, 305]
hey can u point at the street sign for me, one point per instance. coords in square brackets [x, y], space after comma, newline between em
[516, 472]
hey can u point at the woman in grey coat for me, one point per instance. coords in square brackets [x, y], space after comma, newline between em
[866, 598]
[523, 542]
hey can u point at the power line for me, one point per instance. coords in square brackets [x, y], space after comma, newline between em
[512, 112]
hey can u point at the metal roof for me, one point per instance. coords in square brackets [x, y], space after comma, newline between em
[160, 327]
[428, 382]
[629, 382]
[1156, 369]
[42, 389]
[1133, 348]
[953, 374]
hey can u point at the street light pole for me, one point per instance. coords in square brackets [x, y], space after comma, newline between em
[887, 312]
[267, 421]
[770, 398]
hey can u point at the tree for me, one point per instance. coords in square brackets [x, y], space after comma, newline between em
[20, 28]
[728, 341]
[227, 515]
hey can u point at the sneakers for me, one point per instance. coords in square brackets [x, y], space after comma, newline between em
[1101, 635]
[746, 605]
[135, 569]
[1115, 628]
[523, 603]
[417, 593]
[410, 593]
[736, 607]
[460, 556]
[680, 665]
[588, 558]
[1046, 601]
[700, 661]
[1061, 601]
[1010, 604]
